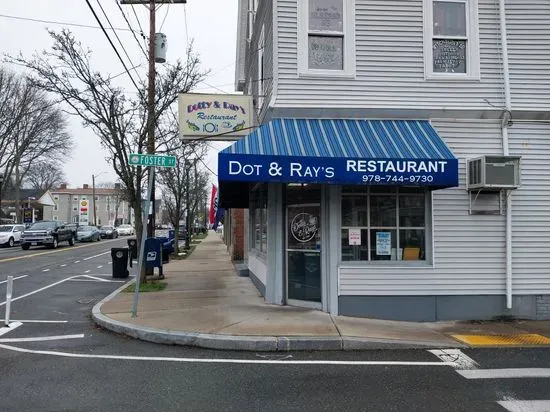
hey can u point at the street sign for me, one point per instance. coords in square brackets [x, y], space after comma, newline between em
[138, 159]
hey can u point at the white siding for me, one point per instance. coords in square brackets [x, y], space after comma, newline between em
[528, 24]
[257, 266]
[390, 63]
[264, 17]
[469, 249]
[531, 209]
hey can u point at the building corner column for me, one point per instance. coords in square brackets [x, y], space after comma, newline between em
[275, 285]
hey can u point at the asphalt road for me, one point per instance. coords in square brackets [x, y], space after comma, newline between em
[57, 359]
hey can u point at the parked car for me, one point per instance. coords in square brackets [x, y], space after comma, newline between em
[108, 232]
[125, 230]
[47, 233]
[87, 233]
[9, 234]
[73, 227]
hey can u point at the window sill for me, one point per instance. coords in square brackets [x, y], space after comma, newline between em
[450, 77]
[323, 74]
[385, 264]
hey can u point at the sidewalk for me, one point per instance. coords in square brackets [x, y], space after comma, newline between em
[206, 304]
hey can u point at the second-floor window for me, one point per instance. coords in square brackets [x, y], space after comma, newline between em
[326, 37]
[451, 39]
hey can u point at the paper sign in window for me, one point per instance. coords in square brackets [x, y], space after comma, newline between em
[354, 236]
[383, 243]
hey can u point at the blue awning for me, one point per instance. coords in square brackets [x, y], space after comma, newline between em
[341, 151]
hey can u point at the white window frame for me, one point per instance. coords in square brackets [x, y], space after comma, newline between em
[472, 42]
[349, 43]
[260, 71]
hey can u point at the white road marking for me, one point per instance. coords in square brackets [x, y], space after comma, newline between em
[525, 406]
[87, 271]
[100, 266]
[91, 280]
[40, 321]
[38, 290]
[42, 338]
[18, 277]
[234, 361]
[101, 254]
[6, 329]
[511, 373]
[461, 360]
[63, 265]
[46, 270]
[77, 261]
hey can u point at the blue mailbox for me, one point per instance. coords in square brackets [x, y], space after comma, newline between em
[153, 253]
[171, 234]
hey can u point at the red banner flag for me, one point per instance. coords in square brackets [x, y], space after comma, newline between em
[213, 204]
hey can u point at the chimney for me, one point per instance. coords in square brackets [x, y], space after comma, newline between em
[63, 186]
[85, 186]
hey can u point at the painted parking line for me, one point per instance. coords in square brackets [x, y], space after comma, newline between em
[37, 290]
[525, 406]
[456, 356]
[226, 361]
[42, 338]
[101, 254]
[40, 321]
[48, 253]
[7, 329]
[512, 373]
[18, 277]
[46, 270]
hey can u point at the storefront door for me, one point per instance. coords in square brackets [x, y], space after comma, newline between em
[303, 253]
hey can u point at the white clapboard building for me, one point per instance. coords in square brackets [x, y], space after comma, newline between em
[401, 167]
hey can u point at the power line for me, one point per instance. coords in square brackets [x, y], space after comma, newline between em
[138, 22]
[165, 15]
[118, 38]
[87, 26]
[112, 44]
[130, 26]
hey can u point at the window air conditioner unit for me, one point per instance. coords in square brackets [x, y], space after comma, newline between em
[494, 172]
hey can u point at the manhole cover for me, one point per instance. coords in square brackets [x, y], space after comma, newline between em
[85, 301]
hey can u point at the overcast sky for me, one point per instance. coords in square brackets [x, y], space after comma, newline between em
[210, 24]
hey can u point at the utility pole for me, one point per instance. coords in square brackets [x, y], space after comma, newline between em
[187, 217]
[151, 95]
[93, 199]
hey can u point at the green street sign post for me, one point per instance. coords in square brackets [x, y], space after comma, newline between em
[140, 159]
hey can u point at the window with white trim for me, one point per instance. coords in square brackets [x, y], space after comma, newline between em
[384, 223]
[261, 88]
[259, 219]
[326, 37]
[451, 39]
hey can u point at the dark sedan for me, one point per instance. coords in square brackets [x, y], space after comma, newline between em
[108, 232]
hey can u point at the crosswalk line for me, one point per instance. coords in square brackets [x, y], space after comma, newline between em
[525, 406]
[460, 359]
[511, 373]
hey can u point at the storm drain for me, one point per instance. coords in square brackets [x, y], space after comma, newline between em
[503, 340]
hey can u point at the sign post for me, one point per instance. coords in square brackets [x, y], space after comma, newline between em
[151, 161]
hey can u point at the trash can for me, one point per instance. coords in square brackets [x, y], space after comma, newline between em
[119, 256]
[132, 245]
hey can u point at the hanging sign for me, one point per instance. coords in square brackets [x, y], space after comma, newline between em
[354, 236]
[214, 116]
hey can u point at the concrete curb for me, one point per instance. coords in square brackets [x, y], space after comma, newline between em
[252, 343]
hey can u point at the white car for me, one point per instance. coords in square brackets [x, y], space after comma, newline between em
[9, 234]
[125, 230]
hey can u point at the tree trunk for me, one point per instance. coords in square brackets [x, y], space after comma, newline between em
[17, 193]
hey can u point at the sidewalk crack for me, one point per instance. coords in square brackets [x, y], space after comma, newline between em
[336, 326]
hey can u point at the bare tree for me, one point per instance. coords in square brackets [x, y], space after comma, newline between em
[176, 182]
[117, 119]
[36, 131]
[44, 175]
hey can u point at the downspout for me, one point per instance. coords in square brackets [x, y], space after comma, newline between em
[505, 148]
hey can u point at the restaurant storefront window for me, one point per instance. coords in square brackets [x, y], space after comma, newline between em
[259, 219]
[383, 223]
